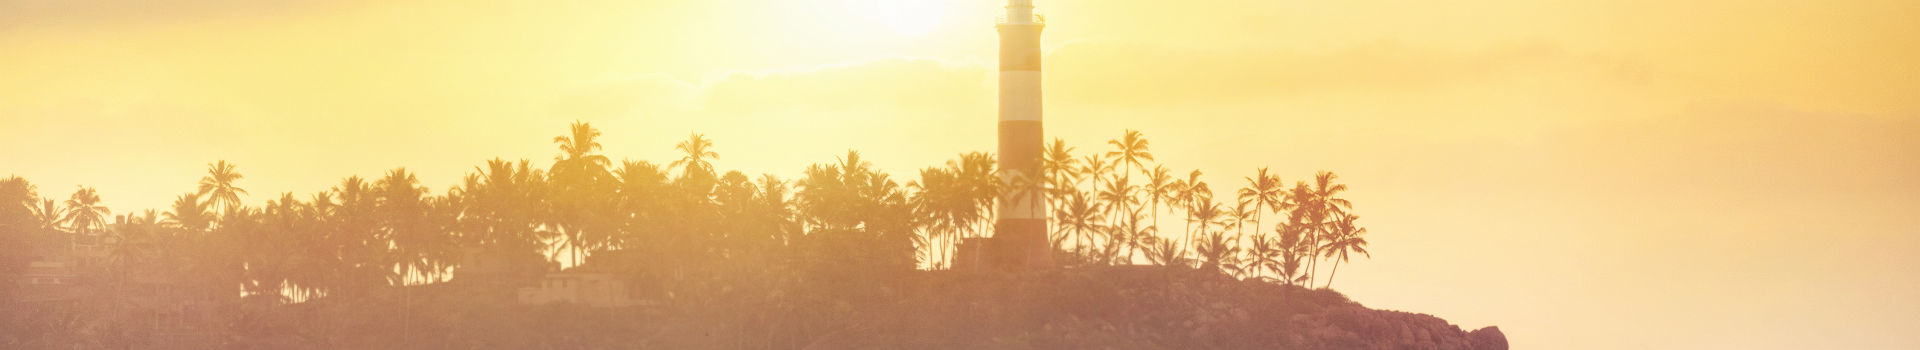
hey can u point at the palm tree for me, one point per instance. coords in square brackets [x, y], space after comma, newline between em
[1265, 255]
[1081, 218]
[1322, 208]
[403, 213]
[1346, 238]
[1160, 189]
[84, 212]
[1027, 188]
[138, 235]
[49, 214]
[218, 188]
[1218, 253]
[1265, 192]
[1132, 235]
[1166, 252]
[1131, 149]
[777, 209]
[1062, 171]
[577, 160]
[938, 199]
[1239, 218]
[1195, 194]
[1206, 212]
[980, 181]
[699, 151]
[1096, 168]
[1058, 162]
[1118, 196]
[189, 214]
[580, 181]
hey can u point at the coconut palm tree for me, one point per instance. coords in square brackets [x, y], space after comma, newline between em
[778, 209]
[1323, 207]
[49, 214]
[1264, 256]
[1118, 197]
[699, 152]
[1347, 238]
[84, 212]
[580, 182]
[403, 214]
[1027, 188]
[1058, 162]
[1130, 150]
[1160, 190]
[1166, 252]
[1238, 219]
[1132, 234]
[1265, 192]
[1194, 194]
[218, 187]
[939, 199]
[189, 214]
[980, 181]
[1218, 252]
[1302, 224]
[1292, 249]
[1062, 171]
[1206, 213]
[138, 235]
[1097, 168]
[1080, 218]
[579, 145]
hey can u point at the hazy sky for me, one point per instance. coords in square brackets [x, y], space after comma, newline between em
[1599, 174]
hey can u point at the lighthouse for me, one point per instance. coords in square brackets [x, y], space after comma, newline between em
[1020, 238]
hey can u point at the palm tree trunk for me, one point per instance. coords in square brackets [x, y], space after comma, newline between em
[1188, 226]
[1313, 253]
[1257, 211]
[1336, 271]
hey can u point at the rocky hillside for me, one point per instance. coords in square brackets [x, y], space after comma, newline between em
[1133, 307]
[1138, 308]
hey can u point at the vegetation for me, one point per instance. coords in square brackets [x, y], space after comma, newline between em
[697, 234]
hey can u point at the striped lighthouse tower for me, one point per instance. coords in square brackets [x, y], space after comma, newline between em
[1021, 232]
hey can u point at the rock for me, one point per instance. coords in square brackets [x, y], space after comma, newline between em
[1488, 338]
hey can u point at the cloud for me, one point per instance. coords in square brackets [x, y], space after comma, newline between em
[1135, 74]
[15, 13]
[884, 84]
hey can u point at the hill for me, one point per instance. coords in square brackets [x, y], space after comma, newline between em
[1126, 307]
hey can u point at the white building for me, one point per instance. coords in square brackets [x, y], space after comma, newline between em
[594, 289]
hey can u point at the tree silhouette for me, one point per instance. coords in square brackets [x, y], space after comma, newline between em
[1347, 238]
[1130, 149]
[1195, 194]
[579, 183]
[1265, 192]
[1080, 218]
[699, 151]
[218, 187]
[189, 214]
[1131, 234]
[1324, 206]
[1161, 188]
[49, 215]
[686, 234]
[84, 212]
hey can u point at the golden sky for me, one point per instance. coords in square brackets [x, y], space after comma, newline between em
[1595, 174]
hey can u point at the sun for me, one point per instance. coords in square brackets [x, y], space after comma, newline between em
[910, 17]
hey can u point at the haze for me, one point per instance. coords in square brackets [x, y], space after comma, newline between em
[1584, 174]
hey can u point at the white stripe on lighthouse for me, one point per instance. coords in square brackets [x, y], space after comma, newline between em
[1020, 95]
